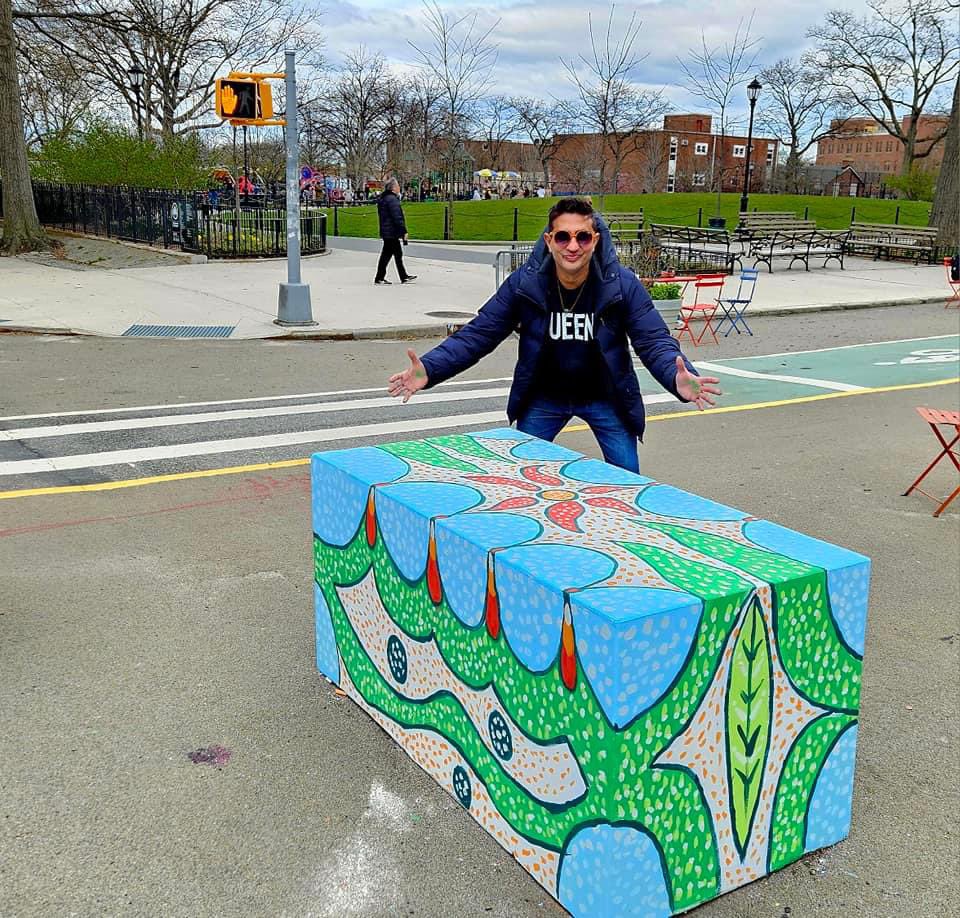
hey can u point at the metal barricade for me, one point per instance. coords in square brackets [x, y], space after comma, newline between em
[507, 261]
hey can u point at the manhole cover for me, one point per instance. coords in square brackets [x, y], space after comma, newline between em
[451, 315]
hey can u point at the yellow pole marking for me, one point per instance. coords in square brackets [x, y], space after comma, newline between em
[291, 463]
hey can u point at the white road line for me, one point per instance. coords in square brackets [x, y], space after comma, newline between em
[842, 347]
[240, 444]
[212, 417]
[234, 401]
[750, 374]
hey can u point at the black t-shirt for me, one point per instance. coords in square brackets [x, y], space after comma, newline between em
[570, 364]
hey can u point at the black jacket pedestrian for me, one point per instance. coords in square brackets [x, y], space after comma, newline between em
[392, 224]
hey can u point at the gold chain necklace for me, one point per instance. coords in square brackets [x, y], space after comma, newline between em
[563, 306]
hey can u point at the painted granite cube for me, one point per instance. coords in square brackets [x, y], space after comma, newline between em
[646, 697]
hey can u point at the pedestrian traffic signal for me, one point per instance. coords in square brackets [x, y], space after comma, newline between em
[242, 101]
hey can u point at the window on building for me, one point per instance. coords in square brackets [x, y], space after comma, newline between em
[769, 156]
[869, 147]
[889, 146]
[671, 183]
[700, 149]
[673, 149]
[859, 147]
[739, 150]
[700, 178]
[849, 147]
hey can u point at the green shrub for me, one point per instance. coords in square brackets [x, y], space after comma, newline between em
[665, 292]
[106, 154]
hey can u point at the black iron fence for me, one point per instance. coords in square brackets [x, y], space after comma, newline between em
[177, 220]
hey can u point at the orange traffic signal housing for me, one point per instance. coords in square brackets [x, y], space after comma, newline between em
[244, 101]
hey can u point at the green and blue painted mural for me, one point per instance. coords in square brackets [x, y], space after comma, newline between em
[646, 697]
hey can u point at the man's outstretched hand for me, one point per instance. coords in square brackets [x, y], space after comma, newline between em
[696, 389]
[410, 380]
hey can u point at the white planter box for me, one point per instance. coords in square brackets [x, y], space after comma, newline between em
[669, 309]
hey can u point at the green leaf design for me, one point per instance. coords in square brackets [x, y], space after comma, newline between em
[748, 720]
[421, 451]
[468, 446]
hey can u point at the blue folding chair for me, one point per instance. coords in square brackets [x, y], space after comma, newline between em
[734, 308]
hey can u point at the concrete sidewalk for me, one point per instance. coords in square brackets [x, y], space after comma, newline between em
[45, 295]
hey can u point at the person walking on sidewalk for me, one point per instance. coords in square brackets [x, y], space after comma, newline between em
[393, 232]
[577, 309]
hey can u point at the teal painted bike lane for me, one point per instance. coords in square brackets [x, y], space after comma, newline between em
[782, 377]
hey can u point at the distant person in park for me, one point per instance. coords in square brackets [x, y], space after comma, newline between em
[486, 195]
[476, 194]
[541, 191]
[348, 195]
[578, 310]
[393, 232]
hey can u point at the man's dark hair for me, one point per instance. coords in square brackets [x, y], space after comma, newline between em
[580, 206]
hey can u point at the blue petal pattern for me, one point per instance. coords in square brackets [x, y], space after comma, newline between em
[593, 471]
[530, 584]
[404, 511]
[613, 872]
[328, 658]
[848, 574]
[544, 450]
[462, 545]
[828, 818]
[633, 642]
[670, 501]
[340, 482]
[500, 433]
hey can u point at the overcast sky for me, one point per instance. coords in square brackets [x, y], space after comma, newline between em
[534, 37]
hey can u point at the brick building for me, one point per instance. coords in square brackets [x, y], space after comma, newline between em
[680, 156]
[863, 144]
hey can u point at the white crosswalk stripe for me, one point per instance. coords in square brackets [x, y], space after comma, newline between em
[94, 442]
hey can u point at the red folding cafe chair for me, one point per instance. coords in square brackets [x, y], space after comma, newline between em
[937, 419]
[954, 284]
[707, 289]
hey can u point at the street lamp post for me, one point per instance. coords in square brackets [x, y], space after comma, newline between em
[136, 81]
[753, 90]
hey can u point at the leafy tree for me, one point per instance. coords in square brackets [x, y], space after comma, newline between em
[107, 154]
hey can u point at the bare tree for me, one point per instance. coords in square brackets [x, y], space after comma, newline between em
[652, 159]
[55, 96]
[798, 110]
[496, 121]
[542, 122]
[890, 64]
[608, 102]
[945, 213]
[458, 54]
[713, 74]
[182, 46]
[353, 113]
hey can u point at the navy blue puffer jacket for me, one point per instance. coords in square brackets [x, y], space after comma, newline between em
[392, 224]
[624, 315]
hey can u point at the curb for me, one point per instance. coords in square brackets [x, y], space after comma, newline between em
[437, 330]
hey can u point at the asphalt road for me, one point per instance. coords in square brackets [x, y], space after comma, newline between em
[143, 624]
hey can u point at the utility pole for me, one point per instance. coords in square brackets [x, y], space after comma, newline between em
[294, 301]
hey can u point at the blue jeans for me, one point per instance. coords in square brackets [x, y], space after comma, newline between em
[546, 417]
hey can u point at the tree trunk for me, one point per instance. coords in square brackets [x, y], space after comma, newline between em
[21, 228]
[909, 146]
[945, 213]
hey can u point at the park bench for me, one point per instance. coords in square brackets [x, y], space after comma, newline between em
[625, 225]
[643, 696]
[799, 244]
[892, 240]
[759, 224]
[692, 242]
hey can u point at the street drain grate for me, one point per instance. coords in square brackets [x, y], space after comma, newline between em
[452, 315]
[179, 331]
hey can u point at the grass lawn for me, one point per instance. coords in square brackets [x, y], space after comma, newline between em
[493, 220]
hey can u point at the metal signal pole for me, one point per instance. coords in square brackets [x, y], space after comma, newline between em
[294, 302]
